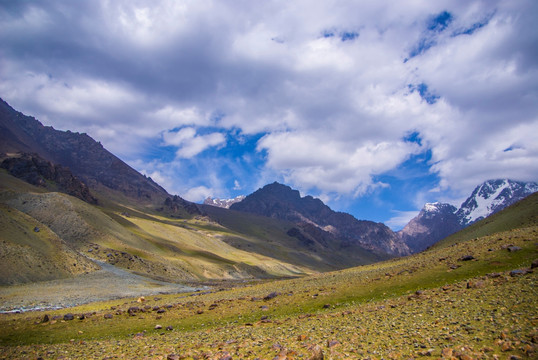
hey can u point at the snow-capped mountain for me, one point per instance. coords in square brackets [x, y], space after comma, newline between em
[493, 196]
[437, 220]
[223, 203]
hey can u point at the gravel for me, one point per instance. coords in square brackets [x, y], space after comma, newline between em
[106, 284]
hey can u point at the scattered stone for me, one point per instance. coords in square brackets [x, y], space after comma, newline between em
[172, 357]
[36, 229]
[301, 337]
[317, 353]
[446, 353]
[169, 328]
[493, 275]
[466, 258]
[271, 296]
[158, 327]
[141, 299]
[133, 310]
[45, 319]
[475, 284]
[513, 248]
[68, 317]
[200, 312]
[332, 343]
[518, 272]
[160, 311]
[327, 306]
[534, 264]
[108, 316]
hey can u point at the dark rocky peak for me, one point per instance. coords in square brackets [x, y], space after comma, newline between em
[282, 202]
[177, 206]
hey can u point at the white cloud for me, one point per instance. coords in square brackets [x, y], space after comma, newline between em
[197, 194]
[334, 114]
[190, 144]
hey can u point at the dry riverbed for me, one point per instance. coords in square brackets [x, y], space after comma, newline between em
[106, 284]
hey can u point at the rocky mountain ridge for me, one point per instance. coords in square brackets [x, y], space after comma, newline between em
[439, 220]
[315, 219]
[86, 158]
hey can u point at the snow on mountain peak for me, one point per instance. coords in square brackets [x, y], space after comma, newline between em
[223, 203]
[492, 196]
[431, 207]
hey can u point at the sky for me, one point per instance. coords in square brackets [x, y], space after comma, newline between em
[375, 107]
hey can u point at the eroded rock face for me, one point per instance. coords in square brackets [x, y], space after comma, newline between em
[38, 171]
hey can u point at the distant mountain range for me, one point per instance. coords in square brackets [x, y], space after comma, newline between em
[438, 220]
[313, 218]
[223, 203]
[137, 225]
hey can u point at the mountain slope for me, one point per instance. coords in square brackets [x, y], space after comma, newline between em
[86, 158]
[437, 221]
[281, 202]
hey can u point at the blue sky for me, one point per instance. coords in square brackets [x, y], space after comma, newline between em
[374, 107]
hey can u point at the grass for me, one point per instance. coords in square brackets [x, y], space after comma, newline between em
[302, 303]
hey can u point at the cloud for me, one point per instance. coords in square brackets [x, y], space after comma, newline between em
[328, 91]
[189, 143]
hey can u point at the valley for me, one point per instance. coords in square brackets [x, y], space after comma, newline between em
[470, 297]
[98, 261]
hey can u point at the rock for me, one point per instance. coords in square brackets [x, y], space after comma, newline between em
[158, 327]
[270, 296]
[493, 275]
[45, 319]
[446, 353]
[518, 272]
[513, 248]
[169, 328]
[160, 311]
[108, 316]
[534, 264]
[141, 299]
[36, 229]
[133, 310]
[68, 317]
[172, 357]
[317, 353]
[332, 343]
[301, 337]
[475, 284]
[466, 258]
[327, 306]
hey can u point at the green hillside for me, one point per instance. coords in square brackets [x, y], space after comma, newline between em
[470, 299]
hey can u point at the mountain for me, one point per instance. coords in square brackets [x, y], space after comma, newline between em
[437, 220]
[434, 222]
[223, 203]
[315, 219]
[491, 197]
[68, 205]
[99, 169]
